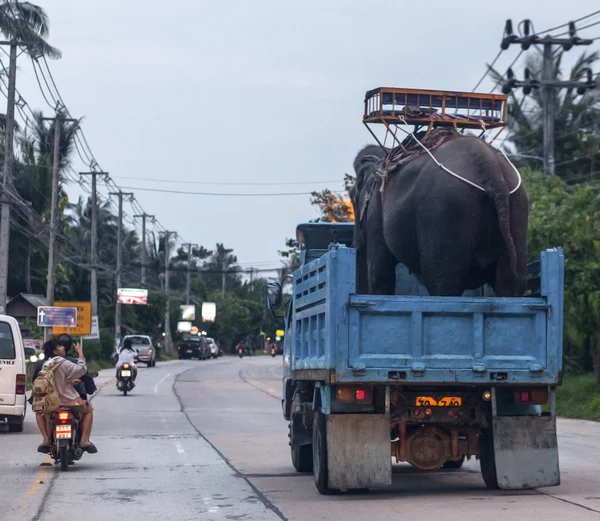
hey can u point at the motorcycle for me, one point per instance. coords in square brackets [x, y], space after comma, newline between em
[243, 350]
[65, 438]
[273, 351]
[125, 379]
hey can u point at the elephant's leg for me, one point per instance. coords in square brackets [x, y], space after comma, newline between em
[382, 271]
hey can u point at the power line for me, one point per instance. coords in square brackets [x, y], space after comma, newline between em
[220, 183]
[218, 194]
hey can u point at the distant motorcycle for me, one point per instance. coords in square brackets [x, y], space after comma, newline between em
[273, 351]
[125, 379]
[243, 350]
[65, 438]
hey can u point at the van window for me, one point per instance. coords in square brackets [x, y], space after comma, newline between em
[7, 344]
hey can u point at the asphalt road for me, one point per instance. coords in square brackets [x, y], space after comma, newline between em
[206, 441]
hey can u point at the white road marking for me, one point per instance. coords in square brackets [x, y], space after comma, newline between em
[160, 382]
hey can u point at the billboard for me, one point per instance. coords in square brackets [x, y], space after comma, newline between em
[184, 326]
[188, 312]
[209, 311]
[132, 296]
[83, 322]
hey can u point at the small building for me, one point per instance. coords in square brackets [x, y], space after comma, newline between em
[25, 305]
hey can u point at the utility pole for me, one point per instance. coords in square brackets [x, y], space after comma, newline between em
[94, 242]
[120, 195]
[547, 83]
[51, 279]
[168, 343]
[9, 157]
[189, 273]
[224, 278]
[143, 217]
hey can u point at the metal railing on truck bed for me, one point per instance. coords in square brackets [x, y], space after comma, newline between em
[339, 336]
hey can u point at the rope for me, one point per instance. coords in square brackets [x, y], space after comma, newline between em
[453, 173]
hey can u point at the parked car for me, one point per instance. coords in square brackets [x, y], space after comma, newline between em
[215, 350]
[193, 346]
[146, 353]
[12, 375]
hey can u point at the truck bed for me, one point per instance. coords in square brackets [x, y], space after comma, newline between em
[339, 336]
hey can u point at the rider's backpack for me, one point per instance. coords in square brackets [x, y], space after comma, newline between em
[44, 393]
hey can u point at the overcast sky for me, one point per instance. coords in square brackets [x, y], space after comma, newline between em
[261, 91]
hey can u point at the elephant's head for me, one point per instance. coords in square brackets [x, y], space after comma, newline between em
[365, 167]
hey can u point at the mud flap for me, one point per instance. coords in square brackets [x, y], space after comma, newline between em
[526, 452]
[359, 451]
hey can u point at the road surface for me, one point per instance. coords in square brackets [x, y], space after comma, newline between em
[206, 441]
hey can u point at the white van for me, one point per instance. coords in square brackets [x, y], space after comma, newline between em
[12, 375]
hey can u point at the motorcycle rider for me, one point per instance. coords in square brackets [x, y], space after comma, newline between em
[127, 356]
[65, 375]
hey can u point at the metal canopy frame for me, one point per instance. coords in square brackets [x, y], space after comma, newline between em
[395, 107]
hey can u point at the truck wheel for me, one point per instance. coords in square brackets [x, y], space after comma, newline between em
[454, 464]
[302, 455]
[319, 450]
[487, 460]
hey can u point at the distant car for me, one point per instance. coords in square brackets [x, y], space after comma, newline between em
[193, 346]
[146, 353]
[215, 350]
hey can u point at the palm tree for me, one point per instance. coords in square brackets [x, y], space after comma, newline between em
[576, 132]
[33, 176]
[27, 22]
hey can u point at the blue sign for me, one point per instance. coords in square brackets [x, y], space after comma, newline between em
[50, 316]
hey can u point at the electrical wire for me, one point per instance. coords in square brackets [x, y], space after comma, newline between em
[220, 194]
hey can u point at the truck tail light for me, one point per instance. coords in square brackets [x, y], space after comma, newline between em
[537, 396]
[21, 384]
[361, 395]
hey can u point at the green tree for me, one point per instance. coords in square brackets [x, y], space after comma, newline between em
[24, 21]
[577, 120]
[569, 217]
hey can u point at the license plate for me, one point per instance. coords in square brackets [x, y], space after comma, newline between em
[125, 373]
[63, 432]
[446, 401]
[189, 351]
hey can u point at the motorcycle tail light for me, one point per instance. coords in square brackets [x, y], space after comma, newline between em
[64, 415]
[126, 366]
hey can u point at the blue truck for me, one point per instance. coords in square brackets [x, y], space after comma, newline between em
[431, 381]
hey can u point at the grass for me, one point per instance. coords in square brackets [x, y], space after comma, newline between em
[578, 397]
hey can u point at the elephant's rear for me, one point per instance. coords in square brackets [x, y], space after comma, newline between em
[459, 231]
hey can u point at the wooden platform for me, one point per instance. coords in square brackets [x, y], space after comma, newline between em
[393, 106]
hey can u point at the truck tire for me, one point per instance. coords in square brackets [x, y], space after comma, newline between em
[487, 460]
[302, 456]
[319, 450]
[454, 464]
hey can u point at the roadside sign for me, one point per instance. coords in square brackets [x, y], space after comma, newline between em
[184, 326]
[209, 311]
[95, 333]
[132, 296]
[194, 330]
[83, 323]
[188, 312]
[280, 332]
[50, 316]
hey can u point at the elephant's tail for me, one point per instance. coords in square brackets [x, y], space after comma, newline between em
[502, 204]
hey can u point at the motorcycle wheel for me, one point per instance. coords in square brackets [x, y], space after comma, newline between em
[64, 458]
[125, 392]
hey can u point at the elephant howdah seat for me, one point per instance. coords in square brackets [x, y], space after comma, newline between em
[430, 108]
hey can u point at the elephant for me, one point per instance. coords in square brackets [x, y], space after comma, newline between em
[451, 235]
